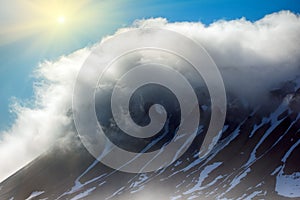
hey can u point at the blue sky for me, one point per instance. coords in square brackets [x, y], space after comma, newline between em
[19, 57]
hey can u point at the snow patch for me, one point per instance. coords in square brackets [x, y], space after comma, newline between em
[177, 197]
[273, 119]
[288, 185]
[84, 194]
[238, 179]
[35, 194]
[203, 175]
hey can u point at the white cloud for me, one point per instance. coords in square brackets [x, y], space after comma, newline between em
[38, 126]
[252, 57]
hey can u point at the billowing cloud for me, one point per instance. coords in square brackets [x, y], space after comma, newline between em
[253, 58]
[40, 124]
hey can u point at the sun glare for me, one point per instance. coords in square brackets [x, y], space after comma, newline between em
[55, 22]
[61, 19]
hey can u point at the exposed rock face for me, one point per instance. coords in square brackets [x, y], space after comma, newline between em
[256, 158]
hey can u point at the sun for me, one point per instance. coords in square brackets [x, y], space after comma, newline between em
[61, 19]
[55, 22]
